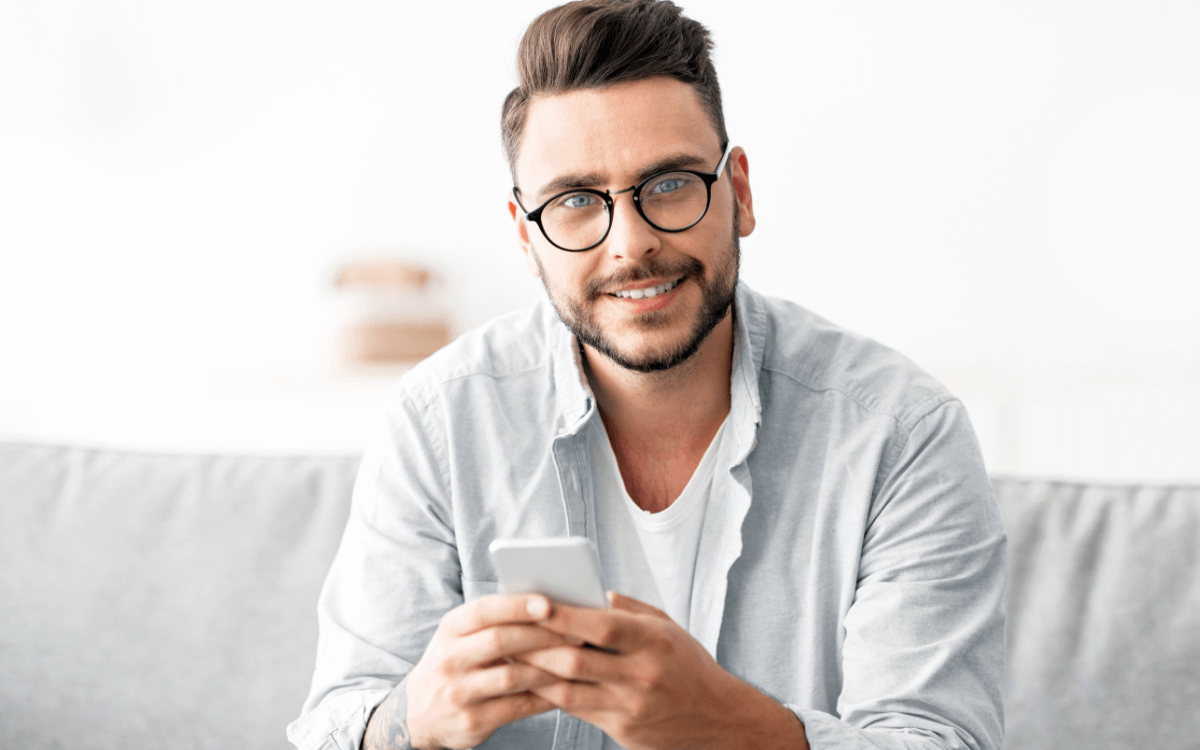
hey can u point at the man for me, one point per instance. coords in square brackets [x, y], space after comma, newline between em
[809, 509]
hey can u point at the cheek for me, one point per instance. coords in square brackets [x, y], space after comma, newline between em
[713, 242]
[531, 263]
[566, 274]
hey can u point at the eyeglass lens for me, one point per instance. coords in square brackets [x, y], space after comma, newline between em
[670, 201]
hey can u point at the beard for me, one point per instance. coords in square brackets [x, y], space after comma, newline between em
[717, 296]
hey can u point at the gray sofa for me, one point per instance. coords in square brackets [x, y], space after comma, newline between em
[168, 602]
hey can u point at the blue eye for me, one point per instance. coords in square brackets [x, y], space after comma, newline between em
[669, 185]
[578, 200]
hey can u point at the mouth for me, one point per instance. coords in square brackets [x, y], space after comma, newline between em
[648, 292]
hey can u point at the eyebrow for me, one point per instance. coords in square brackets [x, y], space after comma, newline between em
[592, 179]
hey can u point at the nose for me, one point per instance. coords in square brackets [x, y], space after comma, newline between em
[630, 237]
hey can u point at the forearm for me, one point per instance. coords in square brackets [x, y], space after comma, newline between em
[764, 724]
[387, 729]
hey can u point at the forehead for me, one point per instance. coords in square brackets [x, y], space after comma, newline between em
[613, 132]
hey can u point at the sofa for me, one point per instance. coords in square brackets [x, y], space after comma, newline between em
[167, 601]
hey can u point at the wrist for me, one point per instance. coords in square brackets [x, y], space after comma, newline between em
[762, 723]
[387, 727]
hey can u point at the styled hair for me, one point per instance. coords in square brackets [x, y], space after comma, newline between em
[592, 44]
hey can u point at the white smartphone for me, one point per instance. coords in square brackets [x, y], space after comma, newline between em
[566, 569]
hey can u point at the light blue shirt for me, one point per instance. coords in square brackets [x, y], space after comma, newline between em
[852, 561]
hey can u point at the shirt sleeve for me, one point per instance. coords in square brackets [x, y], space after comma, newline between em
[923, 656]
[395, 574]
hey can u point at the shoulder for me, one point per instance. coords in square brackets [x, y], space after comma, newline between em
[802, 350]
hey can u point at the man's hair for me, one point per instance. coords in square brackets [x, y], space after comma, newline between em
[592, 44]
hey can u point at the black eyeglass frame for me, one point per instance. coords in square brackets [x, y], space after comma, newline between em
[709, 178]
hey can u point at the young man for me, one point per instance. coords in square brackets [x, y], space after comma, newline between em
[798, 519]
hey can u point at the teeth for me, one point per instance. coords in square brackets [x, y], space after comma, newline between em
[653, 291]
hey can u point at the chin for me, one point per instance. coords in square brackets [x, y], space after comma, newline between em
[659, 340]
[645, 359]
[653, 350]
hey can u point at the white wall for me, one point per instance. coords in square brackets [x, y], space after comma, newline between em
[1007, 192]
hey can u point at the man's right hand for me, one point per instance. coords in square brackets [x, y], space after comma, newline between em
[466, 686]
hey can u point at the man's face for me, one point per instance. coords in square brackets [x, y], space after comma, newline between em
[611, 139]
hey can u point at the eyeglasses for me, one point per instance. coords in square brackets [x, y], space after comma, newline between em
[581, 218]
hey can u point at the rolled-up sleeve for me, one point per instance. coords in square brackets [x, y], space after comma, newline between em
[336, 723]
[396, 573]
[923, 655]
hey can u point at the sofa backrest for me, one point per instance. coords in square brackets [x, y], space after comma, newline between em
[1103, 615]
[169, 601]
[160, 601]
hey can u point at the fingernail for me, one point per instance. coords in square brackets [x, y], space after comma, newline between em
[538, 608]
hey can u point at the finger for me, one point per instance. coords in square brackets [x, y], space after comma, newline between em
[629, 604]
[609, 628]
[577, 698]
[475, 723]
[499, 642]
[574, 663]
[509, 708]
[496, 609]
[503, 679]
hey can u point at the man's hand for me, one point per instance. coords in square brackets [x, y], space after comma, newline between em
[467, 684]
[660, 688]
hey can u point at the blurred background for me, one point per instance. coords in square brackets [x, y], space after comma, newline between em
[1009, 193]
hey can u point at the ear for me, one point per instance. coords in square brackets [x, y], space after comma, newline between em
[740, 176]
[518, 217]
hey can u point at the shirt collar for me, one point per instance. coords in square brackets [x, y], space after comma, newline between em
[749, 345]
[574, 395]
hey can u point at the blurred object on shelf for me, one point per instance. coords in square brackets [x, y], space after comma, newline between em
[389, 275]
[394, 342]
[395, 312]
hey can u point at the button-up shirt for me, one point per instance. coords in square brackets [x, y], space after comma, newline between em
[852, 561]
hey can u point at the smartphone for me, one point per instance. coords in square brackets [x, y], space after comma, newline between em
[566, 569]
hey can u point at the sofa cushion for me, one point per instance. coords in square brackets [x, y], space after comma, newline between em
[160, 601]
[169, 601]
[1103, 615]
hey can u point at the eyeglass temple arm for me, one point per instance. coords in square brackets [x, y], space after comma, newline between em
[725, 158]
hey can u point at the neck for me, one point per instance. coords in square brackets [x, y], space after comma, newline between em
[665, 412]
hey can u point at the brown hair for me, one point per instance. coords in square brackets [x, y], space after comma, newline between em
[598, 43]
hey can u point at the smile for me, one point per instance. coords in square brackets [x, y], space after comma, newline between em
[653, 291]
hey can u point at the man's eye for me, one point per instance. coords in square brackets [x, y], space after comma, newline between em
[669, 185]
[578, 200]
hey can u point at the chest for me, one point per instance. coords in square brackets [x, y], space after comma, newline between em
[655, 477]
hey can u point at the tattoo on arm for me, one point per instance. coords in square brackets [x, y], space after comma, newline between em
[387, 729]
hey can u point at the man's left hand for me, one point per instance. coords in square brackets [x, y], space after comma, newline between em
[659, 687]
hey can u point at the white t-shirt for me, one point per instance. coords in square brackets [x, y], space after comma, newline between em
[650, 556]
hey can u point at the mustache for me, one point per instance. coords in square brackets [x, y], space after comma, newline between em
[650, 269]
